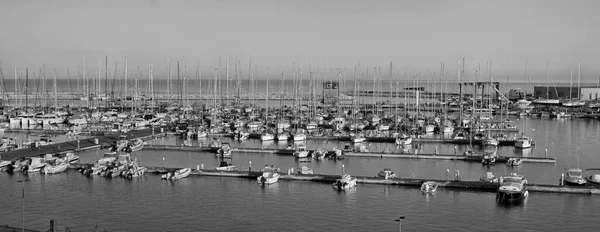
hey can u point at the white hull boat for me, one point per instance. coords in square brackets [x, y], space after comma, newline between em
[179, 174]
[346, 182]
[53, 169]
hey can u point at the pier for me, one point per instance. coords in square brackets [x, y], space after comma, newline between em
[80, 144]
[408, 182]
[356, 154]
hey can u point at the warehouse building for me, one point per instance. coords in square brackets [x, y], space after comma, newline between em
[587, 92]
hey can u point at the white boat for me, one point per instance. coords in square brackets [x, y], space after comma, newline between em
[490, 142]
[47, 119]
[386, 173]
[77, 120]
[202, 134]
[267, 136]
[574, 103]
[547, 101]
[14, 120]
[429, 128]
[384, 127]
[591, 105]
[429, 187]
[346, 182]
[514, 162]
[305, 171]
[403, 140]
[311, 126]
[301, 151]
[44, 140]
[224, 151]
[358, 139]
[53, 169]
[176, 175]
[27, 119]
[4, 163]
[36, 165]
[108, 157]
[226, 166]
[523, 142]
[137, 145]
[71, 158]
[299, 137]
[513, 188]
[282, 137]
[269, 175]
[574, 176]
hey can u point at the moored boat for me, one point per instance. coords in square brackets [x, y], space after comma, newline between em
[305, 171]
[53, 169]
[176, 175]
[429, 187]
[226, 166]
[592, 176]
[574, 177]
[301, 151]
[346, 182]
[512, 189]
[269, 175]
[523, 142]
[386, 173]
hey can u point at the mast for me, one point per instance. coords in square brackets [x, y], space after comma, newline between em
[548, 80]
[55, 92]
[267, 90]
[125, 78]
[26, 85]
[579, 81]
[571, 87]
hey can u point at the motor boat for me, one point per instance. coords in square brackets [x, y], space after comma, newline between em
[108, 157]
[490, 142]
[429, 187]
[137, 145]
[299, 137]
[305, 171]
[489, 159]
[267, 137]
[70, 158]
[574, 177]
[53, 169]
[358, 139]
[301, 151]
[513, 162]
[269, 175]
[346, 182]
[523, 142]
[36, 165]
[512, 189]
[489, 177]
[226, 166]
[282, 137]
[386, 173]
[403, 140]
[176, 175]
[592, 176]
[224, 151]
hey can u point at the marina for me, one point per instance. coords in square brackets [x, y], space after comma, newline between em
[333, 116]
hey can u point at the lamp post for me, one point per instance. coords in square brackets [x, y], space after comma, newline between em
[399, 220]
[23, 199]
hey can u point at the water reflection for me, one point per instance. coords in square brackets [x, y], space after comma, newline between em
[270, 190]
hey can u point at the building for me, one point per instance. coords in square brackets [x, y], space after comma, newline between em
[588, 92]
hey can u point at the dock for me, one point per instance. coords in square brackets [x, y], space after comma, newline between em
[80, 145]
[501, 142]
[408, 182]
[354, 154]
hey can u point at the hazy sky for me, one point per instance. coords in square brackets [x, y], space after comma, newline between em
[278, 33]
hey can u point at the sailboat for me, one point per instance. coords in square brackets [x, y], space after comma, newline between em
[266, 136]
[577, 102]
[547, 100]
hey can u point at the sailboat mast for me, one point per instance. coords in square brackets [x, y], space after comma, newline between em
[55, 92]
[579, 81]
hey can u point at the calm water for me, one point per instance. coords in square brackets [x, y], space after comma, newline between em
[217, 204]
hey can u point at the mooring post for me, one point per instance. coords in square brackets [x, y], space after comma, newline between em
[250, 166]
[343, 171]
[562, 179]
[152, 131]
[78, 148]
[201, 166]
[546, 153]
[447, 174]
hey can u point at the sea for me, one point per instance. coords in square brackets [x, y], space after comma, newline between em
[204, 203]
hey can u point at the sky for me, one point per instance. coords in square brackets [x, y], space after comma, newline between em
[415, 35]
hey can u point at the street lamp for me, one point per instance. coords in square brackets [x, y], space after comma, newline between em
[23, 199]
[399, 220]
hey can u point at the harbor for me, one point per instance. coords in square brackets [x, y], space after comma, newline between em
[333, 116]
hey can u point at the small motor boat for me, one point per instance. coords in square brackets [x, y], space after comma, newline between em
[429, 187]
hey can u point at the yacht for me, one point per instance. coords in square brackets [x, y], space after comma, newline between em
[226, 166]
[282, 137]
[358, 138]
[299, 136]
[513, 189]
[403, 140]
[301, 151]
[574, 176]
[269, 175]
[224, 151]
[305, 171]
[523, 142]
[53, 169]
[47, 119]
[36, 164]
[489, 141]
[592, 176]
[27, 119]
